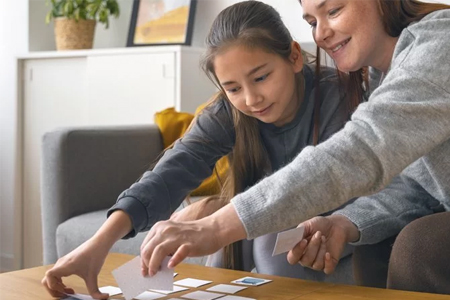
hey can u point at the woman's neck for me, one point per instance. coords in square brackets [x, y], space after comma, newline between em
[384, 59]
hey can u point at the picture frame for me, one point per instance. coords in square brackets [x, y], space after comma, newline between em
[161, 22]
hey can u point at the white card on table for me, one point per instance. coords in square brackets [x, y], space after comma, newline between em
[111, 290]
[253, 281]
[191, 282]
[226, 288]
[132, 283]
[232, 297]
[286, 240]
[78, 297]
[175, 290]
[202, 295]
[149, 296]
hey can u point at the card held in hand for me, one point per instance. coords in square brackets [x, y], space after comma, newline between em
[286, 240]
[132, 283]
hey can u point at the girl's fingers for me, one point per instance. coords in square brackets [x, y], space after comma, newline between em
[52, 292]
[52, 282]
[92, 286]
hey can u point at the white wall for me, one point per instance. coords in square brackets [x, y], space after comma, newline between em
[13, 40]
[41, 35]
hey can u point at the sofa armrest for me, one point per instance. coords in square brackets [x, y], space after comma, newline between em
[84, 169]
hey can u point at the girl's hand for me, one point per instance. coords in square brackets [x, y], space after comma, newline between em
[324, 242]
[85, 262]
[198, 209]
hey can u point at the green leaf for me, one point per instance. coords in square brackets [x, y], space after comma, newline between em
[77, 14]
[49, 17]
[99, 10]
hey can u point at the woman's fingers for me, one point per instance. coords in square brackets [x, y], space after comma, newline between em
[179, 256]
[330, 264]
[319, 262]
[146, 251]
[296, 253]
[311, 251]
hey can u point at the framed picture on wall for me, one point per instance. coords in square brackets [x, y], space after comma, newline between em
[161, 22]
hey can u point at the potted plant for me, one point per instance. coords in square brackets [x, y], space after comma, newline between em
[75, 20]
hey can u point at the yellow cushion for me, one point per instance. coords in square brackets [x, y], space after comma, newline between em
[173, 125]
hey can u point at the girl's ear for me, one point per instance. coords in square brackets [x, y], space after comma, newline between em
[296, 57]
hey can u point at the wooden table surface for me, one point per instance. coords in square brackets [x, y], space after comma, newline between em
[25, 285]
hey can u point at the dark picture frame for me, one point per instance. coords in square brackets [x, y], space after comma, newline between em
[161, 22]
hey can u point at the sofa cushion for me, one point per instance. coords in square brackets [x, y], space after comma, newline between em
[74, 231]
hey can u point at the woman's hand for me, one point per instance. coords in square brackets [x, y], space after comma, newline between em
[192, 238]
[87, 260]
[324, 242]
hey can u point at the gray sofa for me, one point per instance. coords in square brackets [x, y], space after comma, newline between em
[84, 169]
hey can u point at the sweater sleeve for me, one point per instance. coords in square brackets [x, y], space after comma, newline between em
[385, 213]
[180, 170]
[404, 119]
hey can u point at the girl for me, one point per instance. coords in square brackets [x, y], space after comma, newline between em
[404, 126]
[268, 109]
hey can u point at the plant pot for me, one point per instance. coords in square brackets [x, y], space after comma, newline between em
[71, 34]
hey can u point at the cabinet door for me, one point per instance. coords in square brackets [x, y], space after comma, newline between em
[130, 88]
[53, 94]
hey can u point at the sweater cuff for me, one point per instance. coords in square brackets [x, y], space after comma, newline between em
[364, 223]
[249, 213]
[135, 210]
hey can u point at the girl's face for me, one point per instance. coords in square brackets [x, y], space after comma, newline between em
[260, 84]
[351, 32]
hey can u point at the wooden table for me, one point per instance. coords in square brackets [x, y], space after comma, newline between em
[25, 285]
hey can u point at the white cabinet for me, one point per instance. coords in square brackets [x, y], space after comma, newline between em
[97, 87]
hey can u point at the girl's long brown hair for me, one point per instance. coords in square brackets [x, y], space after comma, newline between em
[255, 25]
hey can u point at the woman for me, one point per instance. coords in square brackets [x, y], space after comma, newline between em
[419, 259]
[405, 125]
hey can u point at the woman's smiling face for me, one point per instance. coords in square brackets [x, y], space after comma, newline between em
[351, 32]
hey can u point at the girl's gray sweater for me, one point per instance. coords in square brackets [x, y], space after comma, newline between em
[403, 128]
[181, 169]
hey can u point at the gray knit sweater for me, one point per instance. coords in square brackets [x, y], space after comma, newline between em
[403, 128]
